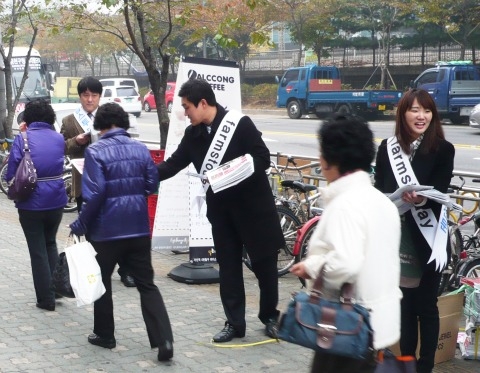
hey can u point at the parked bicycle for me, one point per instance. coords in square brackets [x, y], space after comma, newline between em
[465, 255]
[292, 193]
[286, 256]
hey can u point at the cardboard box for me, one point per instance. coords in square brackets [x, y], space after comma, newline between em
[450, 308]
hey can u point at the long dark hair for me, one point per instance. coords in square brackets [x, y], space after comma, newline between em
[434, 132]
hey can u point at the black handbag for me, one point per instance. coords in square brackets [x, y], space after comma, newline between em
[23, 184]
[387, 362]
[61, 278]
[336, 327]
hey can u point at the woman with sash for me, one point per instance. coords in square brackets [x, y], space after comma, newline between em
[418, 154]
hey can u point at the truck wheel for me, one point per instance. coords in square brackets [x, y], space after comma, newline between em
[294, 110]
[344, 109]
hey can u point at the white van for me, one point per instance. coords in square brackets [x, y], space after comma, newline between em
[115, 82]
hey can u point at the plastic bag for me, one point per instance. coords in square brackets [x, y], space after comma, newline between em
[85, 274]
[61, 278]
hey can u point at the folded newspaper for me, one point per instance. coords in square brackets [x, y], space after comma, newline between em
[228, 174]
[421, 190]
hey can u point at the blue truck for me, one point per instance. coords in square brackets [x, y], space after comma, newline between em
[317, 90]
[455, 87]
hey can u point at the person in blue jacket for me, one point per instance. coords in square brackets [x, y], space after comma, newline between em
[40, 215]
[118, 175]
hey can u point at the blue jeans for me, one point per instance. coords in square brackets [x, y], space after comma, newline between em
[40, 229]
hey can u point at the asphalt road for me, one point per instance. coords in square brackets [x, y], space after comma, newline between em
[298, 137]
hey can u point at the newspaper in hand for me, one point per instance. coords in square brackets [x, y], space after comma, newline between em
[421, 190]
[78, 163]
[230, 173]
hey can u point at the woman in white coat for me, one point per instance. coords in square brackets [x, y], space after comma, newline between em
[357, 238]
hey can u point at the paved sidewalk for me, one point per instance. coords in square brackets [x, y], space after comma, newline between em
[33, 340]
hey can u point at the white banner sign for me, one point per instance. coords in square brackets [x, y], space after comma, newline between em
[180, 219]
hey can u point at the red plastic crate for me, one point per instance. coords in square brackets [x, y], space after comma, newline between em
[151, 221]
[152, 205]
[157, 155]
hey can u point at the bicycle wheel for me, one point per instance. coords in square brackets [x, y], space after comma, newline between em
[472, 269]
[289, 224]
[448, 279]
[304, 246]
[3, 181]
[71, 203]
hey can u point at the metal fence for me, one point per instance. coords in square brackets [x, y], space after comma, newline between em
[467, 195]
[282, 60]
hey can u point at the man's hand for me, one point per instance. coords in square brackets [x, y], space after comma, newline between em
[82, 138]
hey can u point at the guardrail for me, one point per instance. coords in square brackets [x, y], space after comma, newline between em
[309, 166]
[468, 196]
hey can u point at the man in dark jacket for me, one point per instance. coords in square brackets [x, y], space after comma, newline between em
[119, 173]
[241, 216]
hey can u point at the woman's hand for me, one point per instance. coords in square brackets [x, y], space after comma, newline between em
[412, 197]
[300, 270]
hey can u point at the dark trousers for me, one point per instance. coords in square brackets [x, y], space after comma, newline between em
[136, 252]
[327, 363]
[419, 308]
[122, 267]
[40, 229]
[232, 289]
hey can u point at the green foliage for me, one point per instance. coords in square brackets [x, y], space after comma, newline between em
[142, 91]
[259, 95]
[373, 87]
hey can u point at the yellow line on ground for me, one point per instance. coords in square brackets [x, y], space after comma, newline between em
[222, 345]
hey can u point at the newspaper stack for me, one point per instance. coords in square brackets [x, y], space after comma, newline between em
[421, 190]
[230, 173]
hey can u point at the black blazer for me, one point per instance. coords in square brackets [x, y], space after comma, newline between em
[433, 169]
[246, 210]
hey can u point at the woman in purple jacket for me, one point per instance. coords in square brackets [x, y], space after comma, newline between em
[41, 214]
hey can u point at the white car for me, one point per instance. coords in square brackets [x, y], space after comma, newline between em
[127, 97]
[67, 108]
[474, 119]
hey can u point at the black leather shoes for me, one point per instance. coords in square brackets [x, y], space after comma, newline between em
[165, 352]
[227, 334]
[128, 281]
[271, 329]
[46, 306]
[102, 342]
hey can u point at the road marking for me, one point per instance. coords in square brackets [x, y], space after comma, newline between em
[377, 140]
[291, 134]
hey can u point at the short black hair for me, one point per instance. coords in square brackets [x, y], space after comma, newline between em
[110, 114]
[38, 111]
[89, 83]
[194, 90]
[347, 142]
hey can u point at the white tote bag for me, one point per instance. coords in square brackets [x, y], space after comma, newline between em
[85, 274]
